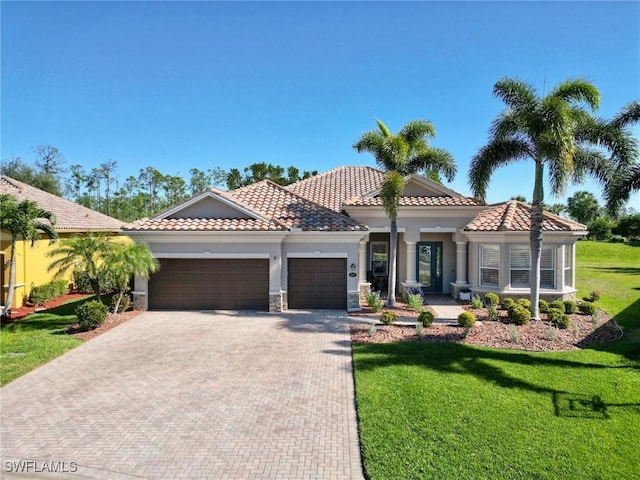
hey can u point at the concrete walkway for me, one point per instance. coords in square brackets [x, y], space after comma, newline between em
[446, 309]
[192, 395]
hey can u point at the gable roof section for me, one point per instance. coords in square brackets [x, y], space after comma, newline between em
[204, 225]
[440, 201]
[292, 210]
[515, 216]
[70, 216]
[243, 211]
[331, 189]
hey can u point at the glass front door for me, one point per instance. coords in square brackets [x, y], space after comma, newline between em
[430, 266]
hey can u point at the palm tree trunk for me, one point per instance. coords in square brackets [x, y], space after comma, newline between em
[536, 239]
[12, 278]
[393, 255]
[120, 295]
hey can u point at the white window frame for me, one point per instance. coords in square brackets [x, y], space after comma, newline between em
[527, 268]
[488, 267]
[568, 266]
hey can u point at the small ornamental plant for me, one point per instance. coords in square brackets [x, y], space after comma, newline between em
[425, 318]
[372, 330]
[415, 301]
[492, 312]
[373, 300]
[466, 319]
[587, 308]
[91, 314]
[476, 302]
[558, 304]
[543, 306]
[507, 302]
[520, 315]
[491, 298]
[570, 306]
[388, 317]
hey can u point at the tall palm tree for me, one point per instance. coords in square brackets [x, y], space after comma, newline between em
[123, 261]
[22, 220]
[399, 155]
[557, 132]
[627, 175]
[84, 253]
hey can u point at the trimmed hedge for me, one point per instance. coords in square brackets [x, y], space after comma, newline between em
[388, 317]
[558, 304]
[520, 314]
[91, 314]
[491, 298]
[48, 291]
[425, 318]
[466, 319]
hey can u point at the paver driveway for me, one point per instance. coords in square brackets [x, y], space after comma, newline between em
[193, 395]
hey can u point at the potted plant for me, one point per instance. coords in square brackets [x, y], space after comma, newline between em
[465, 294]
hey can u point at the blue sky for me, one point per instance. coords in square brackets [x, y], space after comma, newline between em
[178, 85]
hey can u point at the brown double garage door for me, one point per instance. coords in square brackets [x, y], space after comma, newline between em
[243, 284]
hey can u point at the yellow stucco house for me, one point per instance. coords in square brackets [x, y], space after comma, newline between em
[31, 261]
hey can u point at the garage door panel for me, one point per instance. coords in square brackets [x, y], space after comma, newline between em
[317, 283]
[210, 284]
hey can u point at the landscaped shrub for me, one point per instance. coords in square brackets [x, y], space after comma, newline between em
[520, 315]
[491, 298]
[466, 319]
[594, 296]
[492, 312]
[91, 314]
[570, 306]
[82, 285]
[414, 301]
[388, 317]
[525, 302]
[476, 302]
[507, 302]
[373, 300]
[125, 304]
[554, 315]
[48, 291]
[425, 318]
[561, 321]
[543, 306]
[558, 304]
[587, 308]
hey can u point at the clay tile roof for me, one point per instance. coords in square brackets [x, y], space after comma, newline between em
[514, 216]
[70, 216]
[291, 209]
[204, 225]
[439, 201]
[331, 189]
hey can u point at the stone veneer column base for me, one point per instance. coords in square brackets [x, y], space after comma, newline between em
[456, 287]
[139, 300]
[353, 301]
[276, 302]
[364, 288]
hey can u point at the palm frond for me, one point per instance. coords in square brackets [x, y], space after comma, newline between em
[416, 131]
[576, 90]
[515, 93]
[433, 159]
[629, 114]
[589, 161]
[497, 153]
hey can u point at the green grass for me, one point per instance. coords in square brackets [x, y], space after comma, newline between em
[41, 337]
[452, 411]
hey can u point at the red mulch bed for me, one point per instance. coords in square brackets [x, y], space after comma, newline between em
[112, 320]
[20, 313]
[535, 336]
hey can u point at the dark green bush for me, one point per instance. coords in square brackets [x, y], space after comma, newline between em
[564, 322]
[558, 304]
[570, 306]
[82, 285]
[491, 298]
[587, 308]
[425, 318]
[507, 303]
[555, 315]
[525, 302]
[520, 315]
[91, 314]
[543, 306]
[388, 317]
[466, 319]
[48, 291]
[492, 312]
[125, 303]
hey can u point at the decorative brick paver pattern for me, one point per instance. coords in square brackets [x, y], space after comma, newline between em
[194, 395]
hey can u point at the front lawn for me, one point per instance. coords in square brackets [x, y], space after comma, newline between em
[443, 410]
[37, 339]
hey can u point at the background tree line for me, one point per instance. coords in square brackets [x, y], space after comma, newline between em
[144, 195]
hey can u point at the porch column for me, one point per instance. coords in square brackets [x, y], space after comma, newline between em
[461, 262]
[411, 263]
[362, 261]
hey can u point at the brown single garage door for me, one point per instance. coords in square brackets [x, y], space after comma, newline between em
[317, 283]
[189, 283]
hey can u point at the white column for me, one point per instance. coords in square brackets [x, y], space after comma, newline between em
[411, 263]
[461, 262]
[362, 261]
